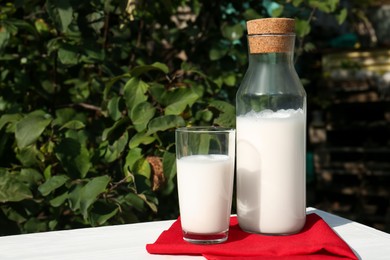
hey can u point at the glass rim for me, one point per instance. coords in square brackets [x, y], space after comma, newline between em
[205, 129]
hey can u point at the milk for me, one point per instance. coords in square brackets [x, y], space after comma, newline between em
[271, 171]
[205, 185]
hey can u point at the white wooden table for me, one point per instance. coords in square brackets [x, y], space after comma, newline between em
[129, 241]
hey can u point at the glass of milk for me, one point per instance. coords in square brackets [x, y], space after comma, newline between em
[205, 174]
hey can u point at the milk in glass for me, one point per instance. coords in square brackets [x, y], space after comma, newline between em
[205, 186]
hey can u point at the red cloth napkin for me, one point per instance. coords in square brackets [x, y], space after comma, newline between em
[316, 241]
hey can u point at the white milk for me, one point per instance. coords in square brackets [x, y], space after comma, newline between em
[271, 195]
[205, 185]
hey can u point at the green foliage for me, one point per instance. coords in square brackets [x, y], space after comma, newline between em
[92, 91]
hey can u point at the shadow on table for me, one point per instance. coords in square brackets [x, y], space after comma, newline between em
[332, 220]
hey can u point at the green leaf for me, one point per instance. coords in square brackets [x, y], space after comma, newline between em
[204, 115]
[4, 38]
[141, 138]
[250, 14]
[68, 54]
[227, 116]
[73, 124]
[101, 212]
[324, 6]
[91, 191]
[183, 97]
[333, 4]
[96, 20]
[53, 224]
[29, 129]
[142, 167]
[116, 130]
[74, 195]
[9, 121]
[163, 123]
[30, 156]
[92, 54]
[230, 79]
[141, 115]
[233, 32]
[223, 106]
[134, 201]
[296, 3]
[151, 205]
[53, 45]
[178, 95]
[178, 107]
[30, 176]
[41, 26]
[309, 46]
[111, 82]
[113, 108]
[169, 169]
[112, 152]
[12, 213]
[134, 92]
[34, 225]
[158, 92]
[65, 12]
[277, 12]
[80, 90]
[49, 86]
[226, 120]
[132, 157]
[196, 7]
[302, 27]
[52, 184]
[74, 157]
[273, 8]
[137, 71]
[64, 115]
[141, 183]
[47, 172]
[342, 16]
[59, 200]
[61, 12]
[217, 53]
[80, 135]
[11, 188]
[203, 144]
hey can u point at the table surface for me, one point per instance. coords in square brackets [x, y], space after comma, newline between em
[129, 241]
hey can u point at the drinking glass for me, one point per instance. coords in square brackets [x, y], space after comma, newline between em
[205, 172]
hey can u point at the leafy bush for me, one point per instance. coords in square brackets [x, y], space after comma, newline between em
[91, 92]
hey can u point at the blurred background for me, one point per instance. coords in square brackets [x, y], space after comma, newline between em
[92, 91]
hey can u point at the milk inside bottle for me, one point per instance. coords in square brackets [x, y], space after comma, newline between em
[271, 133]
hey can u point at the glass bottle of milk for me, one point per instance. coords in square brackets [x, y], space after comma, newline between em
[271, 133]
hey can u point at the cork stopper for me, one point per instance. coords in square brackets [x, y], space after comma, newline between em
[271, 35]
[271, 26]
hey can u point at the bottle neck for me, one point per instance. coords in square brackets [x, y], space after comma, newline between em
[282, 58]
[270, 82]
